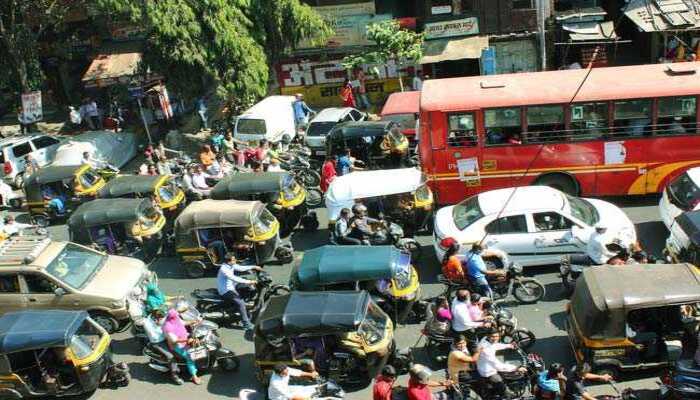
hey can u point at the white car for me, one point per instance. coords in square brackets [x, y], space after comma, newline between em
[14, 152]
[538, 225]
[324, 121]
[681, 194]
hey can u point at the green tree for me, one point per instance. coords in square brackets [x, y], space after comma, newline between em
[391, 42]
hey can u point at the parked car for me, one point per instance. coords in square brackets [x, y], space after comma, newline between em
[14, 150]
[536, 225]
[40, 274]
[323, 122]
[115, 149]
[681, 194]
[272, 118]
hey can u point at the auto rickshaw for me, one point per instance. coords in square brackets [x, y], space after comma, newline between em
[54, 353]
[170, 198]
[349, 335]
[284, 197]
[636, 326]
[683, 243]
[383, 271]
[207, 229]
[119, 226]
[55, 191]
[401, 195]
[375, 143]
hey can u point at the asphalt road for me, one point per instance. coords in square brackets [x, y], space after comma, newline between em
[545, 319]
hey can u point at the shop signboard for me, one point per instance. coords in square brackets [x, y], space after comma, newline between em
[348, 30]
[457, 27]
[31, 107]
[437, 10]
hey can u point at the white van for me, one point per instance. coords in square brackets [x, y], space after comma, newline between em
[271, 119]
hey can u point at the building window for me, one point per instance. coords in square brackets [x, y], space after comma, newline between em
[462, 132]
[523, 4]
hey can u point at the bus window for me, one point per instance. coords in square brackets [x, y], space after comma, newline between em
[632, 118]
[501, 125]
[589, 120]
[677, 116]
[545, 123]
[462, 131]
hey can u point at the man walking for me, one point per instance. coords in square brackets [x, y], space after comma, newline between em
[301, 111]
[201, 107]
[232, 287]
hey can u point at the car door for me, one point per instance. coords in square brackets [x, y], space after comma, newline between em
[44, 149]
[553, 236]
[11, 298]
[509, 233]
[39, 292]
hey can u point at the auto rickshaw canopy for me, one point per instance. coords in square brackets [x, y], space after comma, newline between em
[689, 222]
[37, 329]
[127, 184]
[236, 186]
[313, 313]
[108, 211]
[358, 129]
[49, 174]
[600, 302]
[344, 190]
[336, 264]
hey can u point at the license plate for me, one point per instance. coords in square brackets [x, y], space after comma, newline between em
[198, 353]
[321, 152]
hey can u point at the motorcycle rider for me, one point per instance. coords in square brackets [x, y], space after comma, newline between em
[460, 360]
[575, 384]
[490, 367]
[595, 249]
[477, 271]
[384, 383]
[232, 287]
[152, 325]
[551, 383]
[280, 389]
[343, 228]
[360, 224]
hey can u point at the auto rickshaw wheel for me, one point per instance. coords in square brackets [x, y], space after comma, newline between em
[229, 364]
[284, 254]
[108, 322]
[41, 220]
[195, 269]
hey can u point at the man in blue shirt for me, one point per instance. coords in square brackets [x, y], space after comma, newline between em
[230, 285]
[477, 271]
[346, 164]
[301, 110]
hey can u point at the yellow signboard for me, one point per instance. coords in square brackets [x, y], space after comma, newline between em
[328, 95]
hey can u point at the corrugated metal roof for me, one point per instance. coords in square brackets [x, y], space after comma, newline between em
[108, 67]
[664, 15]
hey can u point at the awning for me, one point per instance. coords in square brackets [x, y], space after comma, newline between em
[664, 15]
[453, 49]
[109, 69]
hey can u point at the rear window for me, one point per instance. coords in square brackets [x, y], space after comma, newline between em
[22, 149]
[320, 128]
[44, 141]
[247, 126]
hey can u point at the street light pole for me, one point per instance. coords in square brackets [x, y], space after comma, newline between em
[541, 19]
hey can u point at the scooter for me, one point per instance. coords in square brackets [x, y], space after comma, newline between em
[682, 383]
[328, 390]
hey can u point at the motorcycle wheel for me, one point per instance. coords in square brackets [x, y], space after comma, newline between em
[523, 337]
[309, 178]
[529, 291]
[314, 197]
[230, 364]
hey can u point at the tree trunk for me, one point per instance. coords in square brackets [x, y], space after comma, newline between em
[22, 75]
[398, 71]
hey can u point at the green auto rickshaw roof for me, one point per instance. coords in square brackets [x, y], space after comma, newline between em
[313, 313]
[347, 130]
[336, 264]
[38, 329]
[247, 183]
[107, 211]
[52, 173]
[128, 184]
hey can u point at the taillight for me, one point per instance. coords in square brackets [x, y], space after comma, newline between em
[7, 168]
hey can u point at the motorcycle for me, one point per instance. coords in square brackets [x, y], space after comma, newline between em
[393, 234]
[327, 390]
[300, 167]
[682, 383]
[214, 307]
[571, 266]
[525, 290]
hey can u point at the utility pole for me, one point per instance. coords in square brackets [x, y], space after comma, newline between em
[542, 7]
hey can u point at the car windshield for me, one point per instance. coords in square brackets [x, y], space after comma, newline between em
[263, 223]
[684, 193]
[76, 265]
[86, 339]
[290, 188]
[247, 126]
[373, 326]
[167, 193]
[88, 179]
[320, 128]
[467, 212]
[402, 271]
[405, 121]
[583, 210]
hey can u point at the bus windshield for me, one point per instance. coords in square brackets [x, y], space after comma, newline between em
[583, 210]
[466, 212]
[683, 192]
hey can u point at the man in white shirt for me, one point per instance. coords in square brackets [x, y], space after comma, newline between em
[595, 249]
[461, 317]
[230, 285]
[280, 389]
[489, 366]
[199, 181]
[93, 162]
[13, 227]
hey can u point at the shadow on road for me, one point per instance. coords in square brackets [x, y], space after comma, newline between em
[228, 384]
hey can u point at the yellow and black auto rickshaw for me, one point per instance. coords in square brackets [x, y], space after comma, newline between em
[169, 197]
[375, 143]
[634, 326]
[384, 271]
[283, 195]
[349, 335]
[206, 230]
[55, 191]
[130, 227]
[55, 353]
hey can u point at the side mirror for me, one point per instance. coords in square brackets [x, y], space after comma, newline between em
[59, 292]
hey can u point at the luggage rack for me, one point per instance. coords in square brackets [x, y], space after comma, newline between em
[22, 249]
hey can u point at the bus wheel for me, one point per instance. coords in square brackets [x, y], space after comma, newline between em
[563, 182]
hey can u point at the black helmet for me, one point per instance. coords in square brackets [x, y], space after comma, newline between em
[388, 370]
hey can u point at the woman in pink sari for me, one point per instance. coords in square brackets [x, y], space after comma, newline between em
[178, 339]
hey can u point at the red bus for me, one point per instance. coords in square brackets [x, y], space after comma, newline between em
[402, 107]
[627, 131]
